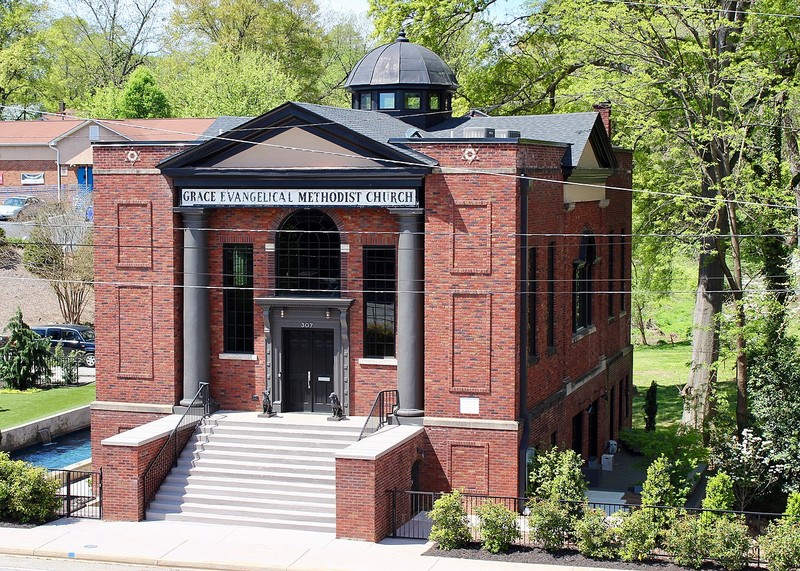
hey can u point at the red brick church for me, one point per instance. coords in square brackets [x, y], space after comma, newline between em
[478, 265]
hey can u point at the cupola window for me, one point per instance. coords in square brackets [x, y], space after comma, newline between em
[386, 100]
[412, 100]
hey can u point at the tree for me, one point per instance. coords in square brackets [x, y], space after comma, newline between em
[60, 250]
[142, 98]
[21, 58]
[750, 462]
[287, 32]
[24, 359]
[222, 83]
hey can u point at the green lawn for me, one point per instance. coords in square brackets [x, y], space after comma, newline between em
[668, 366]
[22, 407]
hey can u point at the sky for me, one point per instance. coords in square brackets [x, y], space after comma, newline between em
[355, 6]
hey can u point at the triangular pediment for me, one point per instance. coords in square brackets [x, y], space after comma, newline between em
[290, 137]
[294, 147]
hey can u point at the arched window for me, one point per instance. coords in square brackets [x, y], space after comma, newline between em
[308, 255]
[582, 284]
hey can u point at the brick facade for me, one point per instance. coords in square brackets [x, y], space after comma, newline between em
[489, 393]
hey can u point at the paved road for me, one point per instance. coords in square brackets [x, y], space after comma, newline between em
[25, 563]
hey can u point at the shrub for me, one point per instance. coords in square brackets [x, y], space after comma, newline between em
[556, 475]
[793, 504]
[730, 543]
[637, 535]
[498, 526]
[650, 407]
[550, 523]
[24, 358]
[719, 496]
[450, 529]
[595, 535]
[688, 541]
[27, 493]
[658, 490]
[780, 546]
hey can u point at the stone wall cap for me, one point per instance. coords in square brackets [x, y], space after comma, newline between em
[380, 443]
[144, 434]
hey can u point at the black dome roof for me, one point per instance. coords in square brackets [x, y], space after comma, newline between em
[401, 63]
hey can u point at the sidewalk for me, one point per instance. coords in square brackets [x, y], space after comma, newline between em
[203, 546]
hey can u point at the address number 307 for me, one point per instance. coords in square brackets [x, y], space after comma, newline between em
[306, 324]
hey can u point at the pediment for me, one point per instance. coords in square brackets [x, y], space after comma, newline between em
[290, 148]
[289, 137]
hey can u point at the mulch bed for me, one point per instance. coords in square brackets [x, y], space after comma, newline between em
[568, 557]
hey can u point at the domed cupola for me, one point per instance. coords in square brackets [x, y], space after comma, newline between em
[405, 80]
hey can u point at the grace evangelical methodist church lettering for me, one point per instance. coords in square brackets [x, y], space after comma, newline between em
[264, 197]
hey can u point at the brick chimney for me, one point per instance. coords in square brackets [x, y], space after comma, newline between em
[604, 108]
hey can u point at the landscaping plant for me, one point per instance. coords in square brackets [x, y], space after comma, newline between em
[719, 496]
[651, 407]
[688, 541]
[637, 535]
[450, 529]
[596, 535]
[550, 523]
[27, 493]
[730, 543]
[780, 546]
[24, 359]
[793, 504]
[498, 526]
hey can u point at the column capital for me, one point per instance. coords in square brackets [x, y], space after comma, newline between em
[407, 212]
[192, 216]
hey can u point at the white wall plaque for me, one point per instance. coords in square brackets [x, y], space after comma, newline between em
[470, 405]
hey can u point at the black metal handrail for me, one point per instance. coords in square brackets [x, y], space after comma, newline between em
[167, 456]
[385, 405]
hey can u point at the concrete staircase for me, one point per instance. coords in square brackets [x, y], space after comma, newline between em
[242, 470]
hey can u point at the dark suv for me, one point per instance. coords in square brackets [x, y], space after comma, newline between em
[72, 338]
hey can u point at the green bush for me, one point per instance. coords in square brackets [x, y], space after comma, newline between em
[27, 493]
[637, 535]
[688, 541]
[24, 359]
[730, 543]
[793, 504]
[658, 490]
[450, 529]
[550, 523]
[780, 546]
[498, 526]
[719, 496]
[595, 535]
[556, 475]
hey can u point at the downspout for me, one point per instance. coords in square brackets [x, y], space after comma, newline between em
[58, 168]
[522, 453]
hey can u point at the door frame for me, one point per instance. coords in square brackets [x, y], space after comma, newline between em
[302, 313]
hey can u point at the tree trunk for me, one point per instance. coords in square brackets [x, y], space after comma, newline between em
[640, 324]
[705, 338]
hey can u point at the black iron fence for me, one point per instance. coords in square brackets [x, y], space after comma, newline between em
[385, 405]
[81, 493]
[167, 456]
[410, 516]
[64, 371]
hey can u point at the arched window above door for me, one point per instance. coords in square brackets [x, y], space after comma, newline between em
[308, 256]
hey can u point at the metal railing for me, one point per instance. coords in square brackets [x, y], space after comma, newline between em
[64, 370]
[80, 492]
[385, 405]
[410, 519]
[167, 456]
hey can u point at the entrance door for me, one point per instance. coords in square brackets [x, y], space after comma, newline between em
[308, 369]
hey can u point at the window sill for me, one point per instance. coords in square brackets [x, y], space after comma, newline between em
[584, 332]
[533, 359]
[238, 357]
[385, 361]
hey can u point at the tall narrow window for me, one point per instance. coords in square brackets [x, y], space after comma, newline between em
[237, 297]
[623, 286]
[380, 289]
[531, 292]
[610, 296]
[551, 295]
[582, 285]
[308, 256]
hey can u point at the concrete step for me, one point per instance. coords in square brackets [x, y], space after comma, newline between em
[249, 485]
[254, 470]
[298, 525]
[295, 457]
[279, 496]
[279, 442]
[191, 507]
[290, 433]
[258, 505]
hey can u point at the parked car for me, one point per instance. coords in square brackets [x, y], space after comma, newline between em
[13, 206]
[71, 338]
